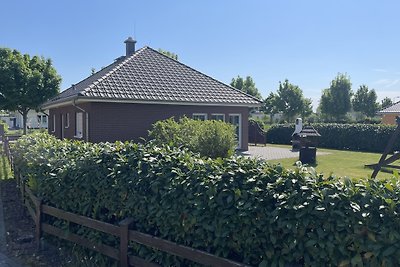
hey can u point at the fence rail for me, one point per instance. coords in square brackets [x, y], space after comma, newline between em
[37, 210]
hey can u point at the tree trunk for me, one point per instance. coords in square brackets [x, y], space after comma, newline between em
[24, 114]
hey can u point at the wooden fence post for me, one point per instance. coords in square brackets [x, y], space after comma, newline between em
[38, 221]
[124, 240]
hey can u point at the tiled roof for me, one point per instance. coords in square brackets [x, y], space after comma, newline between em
[148, 75]
[395, 108]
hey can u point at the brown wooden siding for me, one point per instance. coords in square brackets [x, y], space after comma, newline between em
[389, 118]
[119, 121]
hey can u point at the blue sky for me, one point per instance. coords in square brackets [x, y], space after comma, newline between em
[307, 42]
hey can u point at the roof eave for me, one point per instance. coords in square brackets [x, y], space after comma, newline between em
[59, 103]
[82, 99]
[388, 112]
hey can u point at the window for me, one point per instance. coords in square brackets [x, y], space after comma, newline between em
[79, 125]
[235, 120]
[66, 122]
[218, 117]
[54, 123]
[42, 121]
[199, 116]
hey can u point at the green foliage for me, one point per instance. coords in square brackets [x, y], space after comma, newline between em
[386, 102]
[168, 54]
[269, 106]
[364, 101]
[336, 101]
[210, 138]
[238, 208]
[25, 82]
[356, 137]
[5, 125]
[290, 101]
[246, 85]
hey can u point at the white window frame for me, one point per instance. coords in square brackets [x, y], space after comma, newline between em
[218, 114]
[54, 123]
[196, 115]
[78, 125]
[66, 120]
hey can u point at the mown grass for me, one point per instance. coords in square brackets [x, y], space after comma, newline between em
[5, 169]
[340, 163]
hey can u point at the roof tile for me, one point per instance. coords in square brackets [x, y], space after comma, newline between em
[395, 108]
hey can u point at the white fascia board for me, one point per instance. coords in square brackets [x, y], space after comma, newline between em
[80, 100]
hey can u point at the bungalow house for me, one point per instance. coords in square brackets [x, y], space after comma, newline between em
[390, 113]
[34, 120]
[123, 100]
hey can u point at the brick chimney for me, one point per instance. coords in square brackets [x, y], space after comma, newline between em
[130, 46]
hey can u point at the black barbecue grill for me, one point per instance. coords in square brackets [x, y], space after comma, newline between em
[309, 138]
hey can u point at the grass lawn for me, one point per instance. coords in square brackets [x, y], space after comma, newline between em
[5, 170]
[340, 163]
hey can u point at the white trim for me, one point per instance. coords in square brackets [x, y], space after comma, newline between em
[240, 137]
[78, 125]
[199, 114]
[53, 130]
[388, 112]
[132, 101]
[66, 120]
[62, 126]
[218, 114]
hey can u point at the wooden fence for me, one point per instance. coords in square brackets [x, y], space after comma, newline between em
[37, 210]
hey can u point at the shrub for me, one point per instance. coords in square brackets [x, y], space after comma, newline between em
[5, 125]
[359, 137]
[209, 138]
[242, 209]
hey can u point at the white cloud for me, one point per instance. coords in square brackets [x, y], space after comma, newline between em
[387, 82]
[379, 70]
[392, 94]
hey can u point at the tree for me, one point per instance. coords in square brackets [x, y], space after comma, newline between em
[246, 85]
[364, 101]
[168, 54]
[386, 102]
[25, 82]
[269, 106]
[290, 101]
[336, 100]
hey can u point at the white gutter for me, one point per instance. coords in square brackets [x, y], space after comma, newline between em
[87, 119]
[132, 101]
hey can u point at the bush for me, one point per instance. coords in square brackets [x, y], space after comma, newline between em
[5, 125]
[242, 209]
[209, 138]
[358, 137]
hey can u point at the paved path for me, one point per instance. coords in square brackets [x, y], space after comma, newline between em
[5, 261]
[271, 152]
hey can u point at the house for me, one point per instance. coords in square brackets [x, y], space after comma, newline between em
[35, 120]
[123, 100]
[390, 113]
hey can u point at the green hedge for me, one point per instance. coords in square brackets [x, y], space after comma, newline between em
[210, 138]
[242, 209]
[359, 137]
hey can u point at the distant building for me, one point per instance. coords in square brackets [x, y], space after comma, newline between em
[35, 120]
[390, 113]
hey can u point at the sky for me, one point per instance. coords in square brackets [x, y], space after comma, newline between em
[307, 42]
